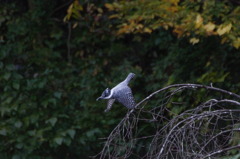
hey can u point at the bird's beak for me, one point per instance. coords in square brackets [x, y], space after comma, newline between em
[98, 98]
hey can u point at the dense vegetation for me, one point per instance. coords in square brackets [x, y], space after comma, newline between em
[56, 57]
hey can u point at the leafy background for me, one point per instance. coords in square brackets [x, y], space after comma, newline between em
[56, 57]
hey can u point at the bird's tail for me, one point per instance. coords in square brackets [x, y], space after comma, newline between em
[129, 77]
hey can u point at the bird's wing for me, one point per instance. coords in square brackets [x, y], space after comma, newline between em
[109, 104]
[126, 98]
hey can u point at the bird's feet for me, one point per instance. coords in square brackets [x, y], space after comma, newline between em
[106, 110]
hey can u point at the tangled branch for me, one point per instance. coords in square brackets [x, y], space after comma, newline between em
[210, 127]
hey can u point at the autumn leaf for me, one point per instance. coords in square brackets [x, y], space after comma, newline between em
[199, 21]
[174, 2]
[224, 29]
[109, 6]
[114, 16]
[69, 13]
[100, 10]
[224, 39]
[236, 43]
[179, 30]
[72, 10]
[172, 9]
[139, 26]
[194, 41]
[75, 25]
[147, 30]
[209, 27]
[77, 6]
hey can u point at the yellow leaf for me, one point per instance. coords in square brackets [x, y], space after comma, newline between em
[117, 5]
[208, 64]
[174, 2]
[236, 43]
[147, 30]
[224, 29]
[165, 27]
[224, 39]
[172, 9]
[100, 10]
[139, 26]
[73, 10]
[114, 16]
[179, 30]
[109, 6]
[77, 5]
[194, 41]
[209, 27]
[199, 21]
[75, 25]
[69, 13]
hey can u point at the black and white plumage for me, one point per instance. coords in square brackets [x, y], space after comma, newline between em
[121, 93]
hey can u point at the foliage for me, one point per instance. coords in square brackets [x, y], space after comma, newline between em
[56, 57]
[194, 19]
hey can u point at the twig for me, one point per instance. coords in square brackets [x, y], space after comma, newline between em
[190, 134]
[189, 86]
[222, 150]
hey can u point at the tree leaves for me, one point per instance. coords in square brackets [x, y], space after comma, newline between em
[48, 104]
[7, 75]
[194, 40]
[52, 121]
[209, 27]
[18, 124]
[109, 6]
[236, 43]
[58, 94]
[71, 132]
[3, 132]
[214, 19]
[199, 21]
[16, 85]
[73, 11]
[58, 140]
[223, 29]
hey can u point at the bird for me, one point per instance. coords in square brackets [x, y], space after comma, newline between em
[121, 93]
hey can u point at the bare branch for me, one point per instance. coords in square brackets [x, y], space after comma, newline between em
[222, 150]
[193, 86]
[155, 131]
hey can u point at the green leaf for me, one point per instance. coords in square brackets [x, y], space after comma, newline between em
[92, 132]
[71, 133]
[3, 132]
[57, 34]
[18, 124]
[67, 141]
[7, 75]
[16, 85]
[16, 157]
[58, 140]
[1, 65]
[8, 100]
[32, 132]
[19, 145]
[10, 67]
[58, 94]
[53, 101]
[52, 121]
[42, 83]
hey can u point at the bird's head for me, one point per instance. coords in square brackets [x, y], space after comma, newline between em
[105, 94]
